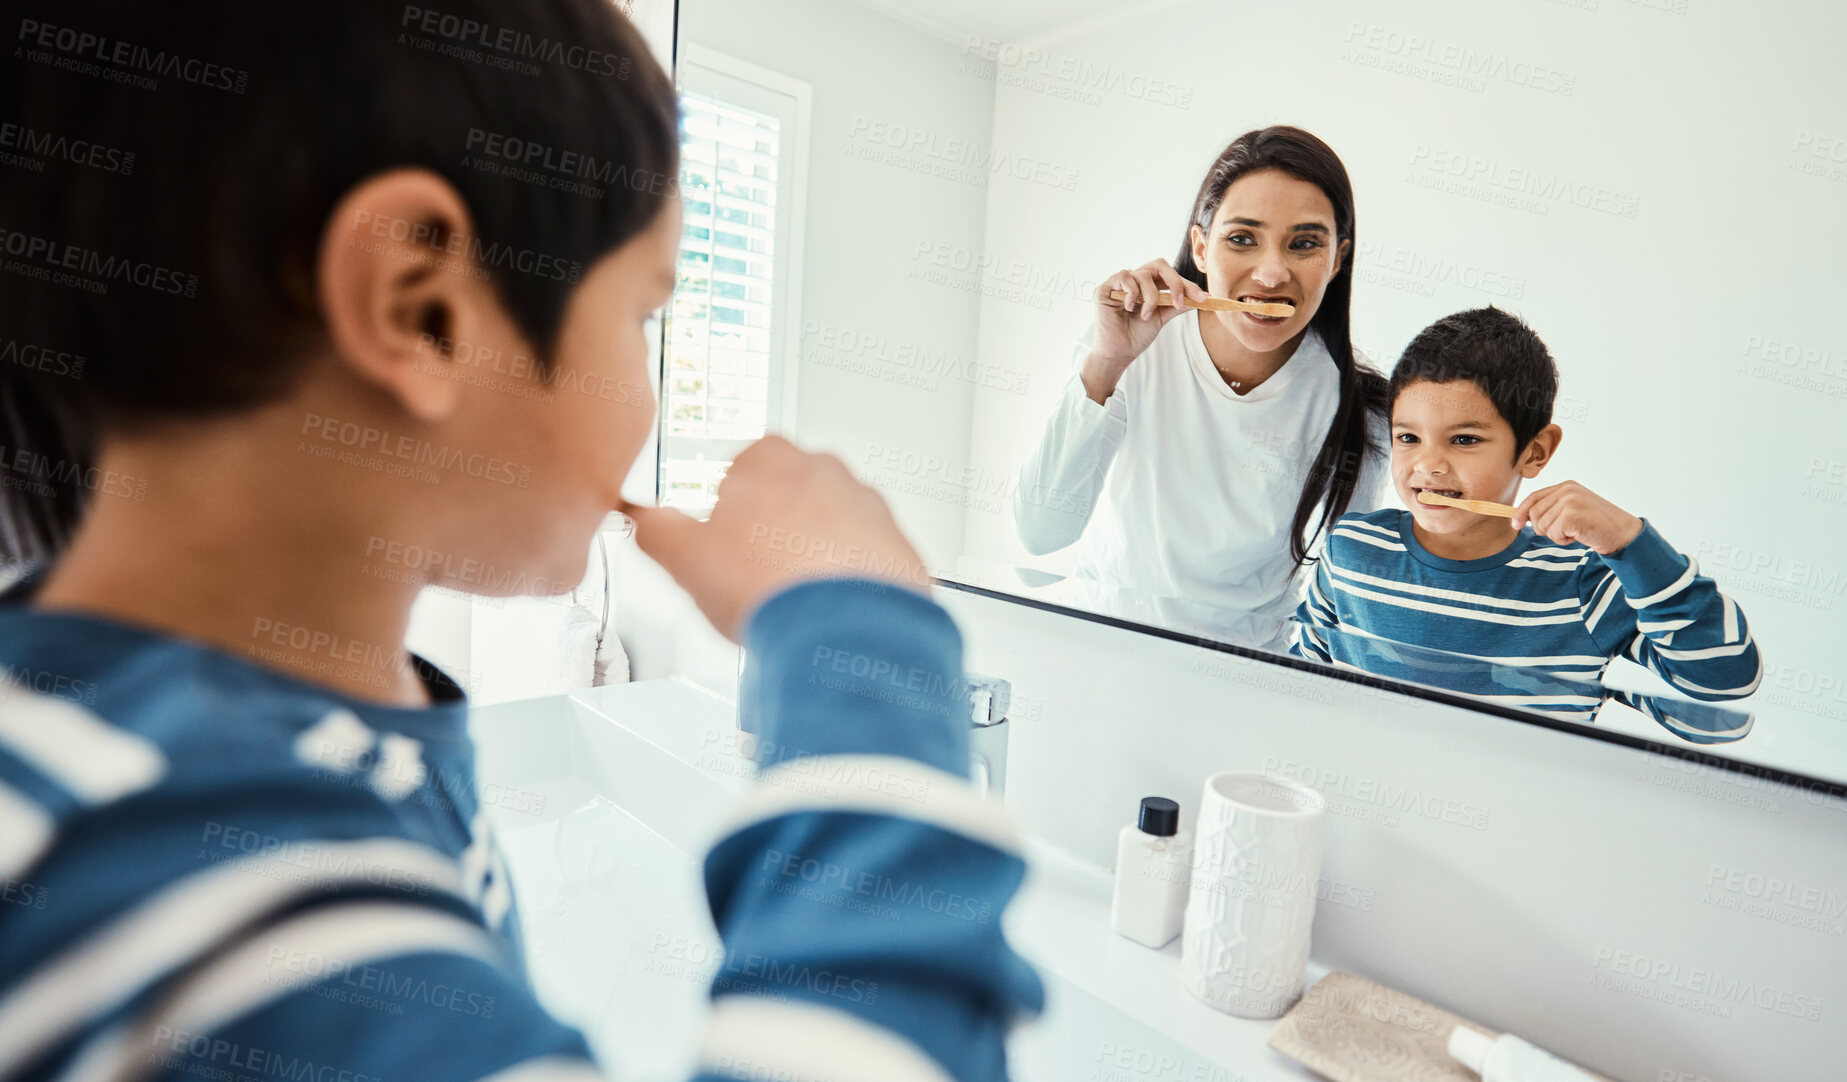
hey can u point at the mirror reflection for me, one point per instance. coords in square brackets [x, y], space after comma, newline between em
[1464, 355]
[1549, 690]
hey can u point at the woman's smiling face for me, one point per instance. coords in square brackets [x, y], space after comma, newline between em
[1272, 238]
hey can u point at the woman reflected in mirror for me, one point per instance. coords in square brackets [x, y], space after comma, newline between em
[1200, 454]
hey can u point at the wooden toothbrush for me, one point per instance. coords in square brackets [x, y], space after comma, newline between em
[1480, 507]
[1165, 299]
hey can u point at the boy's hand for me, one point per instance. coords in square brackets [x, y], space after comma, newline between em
[1570, 512]
[783, 515]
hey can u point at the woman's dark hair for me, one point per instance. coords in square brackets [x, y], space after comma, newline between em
[1336, 468]
[1497, 352]
[159, 257]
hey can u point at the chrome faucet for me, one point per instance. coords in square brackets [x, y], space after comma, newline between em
[988, 700]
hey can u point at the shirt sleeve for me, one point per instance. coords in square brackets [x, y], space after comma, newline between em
[1316, 615]
[1650, 604]
[858, 890]
[1062, 479]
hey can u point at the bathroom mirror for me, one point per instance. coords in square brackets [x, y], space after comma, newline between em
[899, 213]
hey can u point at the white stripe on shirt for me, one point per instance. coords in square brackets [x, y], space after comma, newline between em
[549, 1069]
[1730, 650]
[1729, 693]
[753, 1037]
[1581, 703]
[1740, 729]
[1377, 542]
[1579, 554]
[25, 830]
[1582, 661]
[1545, 565]
[1685, 580]
[1450, 610]
[1489, 600]
[484, 872]
[98, 973]
[339, 938]
[1361, 524]
[942, 799]
[95, 760]
[1607, 587]
[1585, 705]
[1568, 661]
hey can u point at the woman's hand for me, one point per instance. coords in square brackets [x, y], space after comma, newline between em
[1570, 512]
[1127, 327]
[783, 515]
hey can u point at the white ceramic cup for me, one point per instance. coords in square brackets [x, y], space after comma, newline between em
[1251, 900]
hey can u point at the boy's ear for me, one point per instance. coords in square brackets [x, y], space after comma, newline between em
[396, 290]
[1539, 452]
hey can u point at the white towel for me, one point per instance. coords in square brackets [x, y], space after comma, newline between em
[611, 661]
[576, 656]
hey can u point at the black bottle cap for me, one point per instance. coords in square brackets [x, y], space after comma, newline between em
[1160, 817]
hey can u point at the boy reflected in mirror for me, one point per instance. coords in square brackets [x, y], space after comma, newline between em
[1567, 584]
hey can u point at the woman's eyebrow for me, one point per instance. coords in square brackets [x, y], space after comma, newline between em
[1305, 227]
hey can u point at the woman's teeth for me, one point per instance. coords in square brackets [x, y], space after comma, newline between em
[1252, 298]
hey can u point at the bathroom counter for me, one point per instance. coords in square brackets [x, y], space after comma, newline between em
[1060, 922]
[605, 800]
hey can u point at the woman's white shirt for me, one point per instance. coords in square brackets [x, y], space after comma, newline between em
[1181, 488]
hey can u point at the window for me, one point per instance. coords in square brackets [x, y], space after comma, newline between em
[730, 328]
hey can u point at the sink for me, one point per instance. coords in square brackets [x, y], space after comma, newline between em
[604, 802]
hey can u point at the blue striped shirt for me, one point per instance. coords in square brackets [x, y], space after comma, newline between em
[1549, 618]
[215, 870]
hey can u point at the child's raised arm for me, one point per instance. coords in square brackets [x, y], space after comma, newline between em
[859, 889]
[1649, 603]
[1642, 600]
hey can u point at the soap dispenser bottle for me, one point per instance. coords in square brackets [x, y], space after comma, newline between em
[1153, 866]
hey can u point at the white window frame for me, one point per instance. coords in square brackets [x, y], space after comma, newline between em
[720, 75]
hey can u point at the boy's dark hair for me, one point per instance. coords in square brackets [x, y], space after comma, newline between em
[191, 157]
[1497, 352]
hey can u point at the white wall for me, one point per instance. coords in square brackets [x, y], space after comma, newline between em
[1501, 870]
[868, 324]
[1708, 120]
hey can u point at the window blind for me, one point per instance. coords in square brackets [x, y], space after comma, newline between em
[718, 367]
